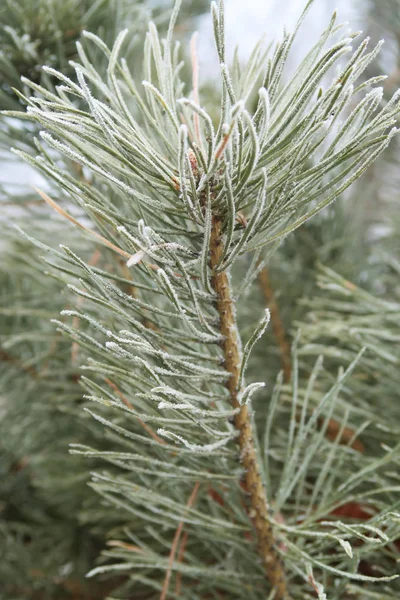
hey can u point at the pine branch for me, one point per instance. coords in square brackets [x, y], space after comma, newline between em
[333, 428]
[175, 543]
[125, 400]
[193, 199]
[181, 554]
[258, 509]
[29, 369]
[277, 324]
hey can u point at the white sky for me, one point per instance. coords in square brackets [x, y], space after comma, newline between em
[248, 20]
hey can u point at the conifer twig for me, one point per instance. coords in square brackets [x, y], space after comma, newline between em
[64, 214]
[258, 506]
[284, 347]
[129, 405]
[181, 554]
[175, 543]
[347, 435]
[277, 324]
[29, 369]
[101, 238]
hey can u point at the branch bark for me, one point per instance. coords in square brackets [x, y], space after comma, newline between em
[257, 508]
[333, 427]
[16, 362]
[277, 324]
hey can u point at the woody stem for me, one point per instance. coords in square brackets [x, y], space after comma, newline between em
[257, 506]
[277, 324]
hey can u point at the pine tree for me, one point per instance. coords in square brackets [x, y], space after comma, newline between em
[211, 473]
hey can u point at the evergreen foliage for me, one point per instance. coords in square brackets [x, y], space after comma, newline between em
[44, 32]
[211, 473]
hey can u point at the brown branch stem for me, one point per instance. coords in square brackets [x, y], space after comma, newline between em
[257, 508]
[333, 426]
[16, 362]
[181, 554]
[276, 322]
[175, 543]
[129, 405]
